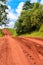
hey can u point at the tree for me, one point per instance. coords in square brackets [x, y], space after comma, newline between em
[23, 24]
[37, 15]
[30, 18]
[28, 5]
[3, 13]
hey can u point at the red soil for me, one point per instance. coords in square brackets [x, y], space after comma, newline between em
[20, 50]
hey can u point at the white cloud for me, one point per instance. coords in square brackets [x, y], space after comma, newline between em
[9, 7]
[2, 26]
[32, 1]
[19, 8]
[9, 0]
[41, 2]
[11, 24]
[2, 2]
[13, 16]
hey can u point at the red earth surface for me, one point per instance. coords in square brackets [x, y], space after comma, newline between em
[20, 50]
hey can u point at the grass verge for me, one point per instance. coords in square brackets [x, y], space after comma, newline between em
[1, 33]
[13, 32]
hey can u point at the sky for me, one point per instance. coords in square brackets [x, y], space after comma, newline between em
[15, 8]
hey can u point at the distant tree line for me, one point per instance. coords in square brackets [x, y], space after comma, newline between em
[30, 19]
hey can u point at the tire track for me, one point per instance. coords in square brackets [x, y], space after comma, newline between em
[33, 52]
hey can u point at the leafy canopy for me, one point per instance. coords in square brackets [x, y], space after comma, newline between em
[3, 13]
[30, 19]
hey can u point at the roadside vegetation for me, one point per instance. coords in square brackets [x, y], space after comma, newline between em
[3, 14]
[38, 33]
[31, 19]
[12, 31]
[35, 33]
[1, 33]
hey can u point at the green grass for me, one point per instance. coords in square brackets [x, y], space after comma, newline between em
[34, 34]
[1, 34]
[13, 32]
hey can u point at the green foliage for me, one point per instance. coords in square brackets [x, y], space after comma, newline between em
[12, 31]
[1, 33]
[27, 5]
[30, 19]
[35, 33]
[41, 28]
[3, 13]
[4, 1]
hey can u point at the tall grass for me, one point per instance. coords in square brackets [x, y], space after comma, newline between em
[13, 31]
[1, 33]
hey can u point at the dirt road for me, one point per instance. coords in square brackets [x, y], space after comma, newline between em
[20, 50]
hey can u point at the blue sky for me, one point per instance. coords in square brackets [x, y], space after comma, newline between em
[14, 3]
